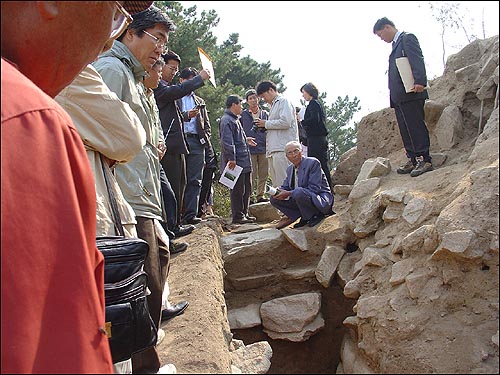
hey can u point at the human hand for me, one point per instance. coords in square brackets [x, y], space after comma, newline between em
[283, 195]
[259, 122]
[251, 141]
[205, 74]
[418, 88]
[232, 164]
[108, 161]
[193, 112]
[162, 149]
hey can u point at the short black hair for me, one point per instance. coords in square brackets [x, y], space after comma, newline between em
[263, 86]
[379, 25]
[310, 89]
[171, 55]
[233, 99]
[147, 19]
[188, 72]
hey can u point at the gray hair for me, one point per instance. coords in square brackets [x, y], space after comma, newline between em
[293, 143]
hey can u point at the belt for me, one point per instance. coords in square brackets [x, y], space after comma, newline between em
[192, 135]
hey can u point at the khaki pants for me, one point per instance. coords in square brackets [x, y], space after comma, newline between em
[156, 266]
[278, 163]
[260, 171]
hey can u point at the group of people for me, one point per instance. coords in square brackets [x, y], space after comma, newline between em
[88, 92]
[266, 144]
[116, 113]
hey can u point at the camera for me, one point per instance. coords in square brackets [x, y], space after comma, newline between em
[256, 128]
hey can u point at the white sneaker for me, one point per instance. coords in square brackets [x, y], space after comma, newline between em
[169, 368]
[161, 336]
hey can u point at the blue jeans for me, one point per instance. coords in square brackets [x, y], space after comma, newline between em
[194, 174]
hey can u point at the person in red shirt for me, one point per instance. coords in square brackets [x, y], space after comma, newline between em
[52, 299]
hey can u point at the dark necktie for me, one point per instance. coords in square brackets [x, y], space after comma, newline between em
[292, 183]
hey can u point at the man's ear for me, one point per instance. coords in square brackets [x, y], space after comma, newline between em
[48, 9]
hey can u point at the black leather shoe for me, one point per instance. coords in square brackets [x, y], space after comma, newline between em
[301, 223]
[316, 219]
[243, 220]
[178, 247]
[194, 220]
[183, 230]
[173, 311]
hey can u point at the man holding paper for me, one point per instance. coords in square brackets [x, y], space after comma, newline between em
[408, 103]
[235, 153]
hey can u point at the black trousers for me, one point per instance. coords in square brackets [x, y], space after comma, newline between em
[413, 130]
[175, 169]
[206, 188]
[240, 196]
[170, 203]
[317, 147]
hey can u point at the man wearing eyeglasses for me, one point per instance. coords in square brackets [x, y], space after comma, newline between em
[305, 192]
[52, 299]
[123, 69]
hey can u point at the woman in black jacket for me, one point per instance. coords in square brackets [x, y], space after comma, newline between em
[314, 125]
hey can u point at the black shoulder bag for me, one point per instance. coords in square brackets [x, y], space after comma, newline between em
[129, 326]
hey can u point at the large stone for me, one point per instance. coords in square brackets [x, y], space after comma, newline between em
[417, 210]
[253, 359]
[290, 313]
[244, 317]
[310, 329]
[374, 167]
[449, 129]
[264, 212]
[328, 264]
[364, 187]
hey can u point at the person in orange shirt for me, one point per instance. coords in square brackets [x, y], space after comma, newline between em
[52, 299]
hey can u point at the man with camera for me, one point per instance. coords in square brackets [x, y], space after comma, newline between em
[260, 166]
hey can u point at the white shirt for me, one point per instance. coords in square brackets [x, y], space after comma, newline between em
[188, 103]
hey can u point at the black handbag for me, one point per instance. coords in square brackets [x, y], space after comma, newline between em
[129, 326]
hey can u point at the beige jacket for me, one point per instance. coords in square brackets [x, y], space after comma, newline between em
[107, 126]
[281, 125]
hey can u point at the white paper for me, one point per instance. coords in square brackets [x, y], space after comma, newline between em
[206, 63]
[302, 112]
[229, 176]
[405, 72]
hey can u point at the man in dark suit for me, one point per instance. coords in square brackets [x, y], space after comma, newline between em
[305, 192]
[409, 107]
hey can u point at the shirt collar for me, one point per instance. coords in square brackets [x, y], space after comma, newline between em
[396, 37]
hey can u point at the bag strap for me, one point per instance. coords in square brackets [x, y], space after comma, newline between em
[112, 198]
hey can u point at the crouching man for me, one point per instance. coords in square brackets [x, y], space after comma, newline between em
[305, 192]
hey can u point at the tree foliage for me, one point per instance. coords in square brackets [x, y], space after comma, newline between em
[451, 17]
[233, 74]
[341, 136]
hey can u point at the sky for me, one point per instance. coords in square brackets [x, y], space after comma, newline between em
[331, 43]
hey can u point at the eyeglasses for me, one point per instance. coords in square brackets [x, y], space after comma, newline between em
[174, 69]
[159, 43]
[121, 20]
[293, 152]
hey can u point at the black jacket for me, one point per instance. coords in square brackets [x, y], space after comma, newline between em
[314, 120]
[406, 45]
[171, 116]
